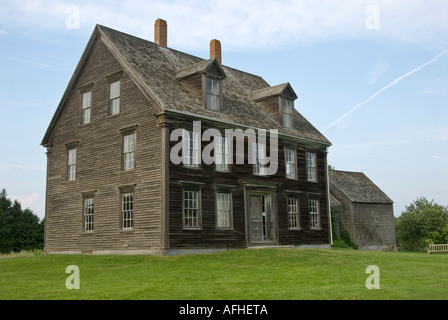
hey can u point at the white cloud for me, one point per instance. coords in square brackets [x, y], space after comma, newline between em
[247, 24]
[3, 33]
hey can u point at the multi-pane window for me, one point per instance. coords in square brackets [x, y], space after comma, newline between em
[223, 206]
[290, 163]
[314, 213]
[287, 107]
[127, 210]
[129, 151]
[293, 213]
[259, 154]
[190, 148]
[71, 164]
[311, 166]
[86, 106]
[114, 97]
[212, 93]
[222, 153]
[88, 214]
[191, 209]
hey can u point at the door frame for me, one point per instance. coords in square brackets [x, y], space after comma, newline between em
[269, 191]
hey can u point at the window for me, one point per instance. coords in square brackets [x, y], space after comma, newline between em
[191, 209]
[259, 153]
[86, 106]
[71, 164]
[129, 151]
[212, 93]
[88, 214]
[224, 212]
[290, 163]
[114, 97]
[311, 166]
[287, 106]
[127, 210]
[293, 213]
[314, 213]
[222, 154]
[190, 148]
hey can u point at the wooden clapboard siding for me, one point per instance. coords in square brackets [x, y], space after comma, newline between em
[99, 166]
[210, 236]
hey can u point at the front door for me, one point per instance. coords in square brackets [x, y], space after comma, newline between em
[259, 217]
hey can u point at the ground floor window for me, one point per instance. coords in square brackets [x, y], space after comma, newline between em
[314, 213]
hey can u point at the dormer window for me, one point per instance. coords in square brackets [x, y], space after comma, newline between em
[212, 94]
[287, 106]
[278, 101]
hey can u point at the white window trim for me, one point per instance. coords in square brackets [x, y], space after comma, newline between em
[227, 211]
[293, 213]
[258, 154]
[127, 210]
[129, 147]
[72, 155]
[191, 148]
[89, 211]
[86, 99]
[291, 164]
[287, 111]
[314, 208]
[194, 215]
[222, 154]
[311, 166]
[114, 97]
[212, 94]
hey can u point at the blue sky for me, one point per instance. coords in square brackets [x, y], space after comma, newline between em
[335, 54]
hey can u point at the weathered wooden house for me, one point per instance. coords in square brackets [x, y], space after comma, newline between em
[112, 186]
[363, 209]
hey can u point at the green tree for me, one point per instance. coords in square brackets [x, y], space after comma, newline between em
[421, 223]
[19, 229]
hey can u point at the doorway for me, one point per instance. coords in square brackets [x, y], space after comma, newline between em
[260, 223]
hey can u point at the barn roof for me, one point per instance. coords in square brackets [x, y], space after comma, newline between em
[157, 71]
[357, 187]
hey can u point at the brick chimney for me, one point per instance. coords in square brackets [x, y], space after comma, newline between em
[161, 33]
[215, 50]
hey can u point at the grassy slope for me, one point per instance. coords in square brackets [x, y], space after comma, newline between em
[241, 274]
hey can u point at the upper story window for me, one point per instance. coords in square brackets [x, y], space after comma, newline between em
[222, 154]
[86, 106]
[287, 107]
[190, 150]
[290, 163]
[129, 151]
[114, 97]
[71, 164]
[259, 154]
[212, 92]
[311, 169]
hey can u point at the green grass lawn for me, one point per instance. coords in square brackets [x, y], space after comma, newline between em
[268, 274]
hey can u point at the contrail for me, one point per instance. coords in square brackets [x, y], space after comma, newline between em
[385, 88]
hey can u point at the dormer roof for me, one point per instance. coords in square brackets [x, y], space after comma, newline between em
[284, 90]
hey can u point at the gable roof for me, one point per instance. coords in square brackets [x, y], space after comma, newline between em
[156, 71]
[357, 187]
